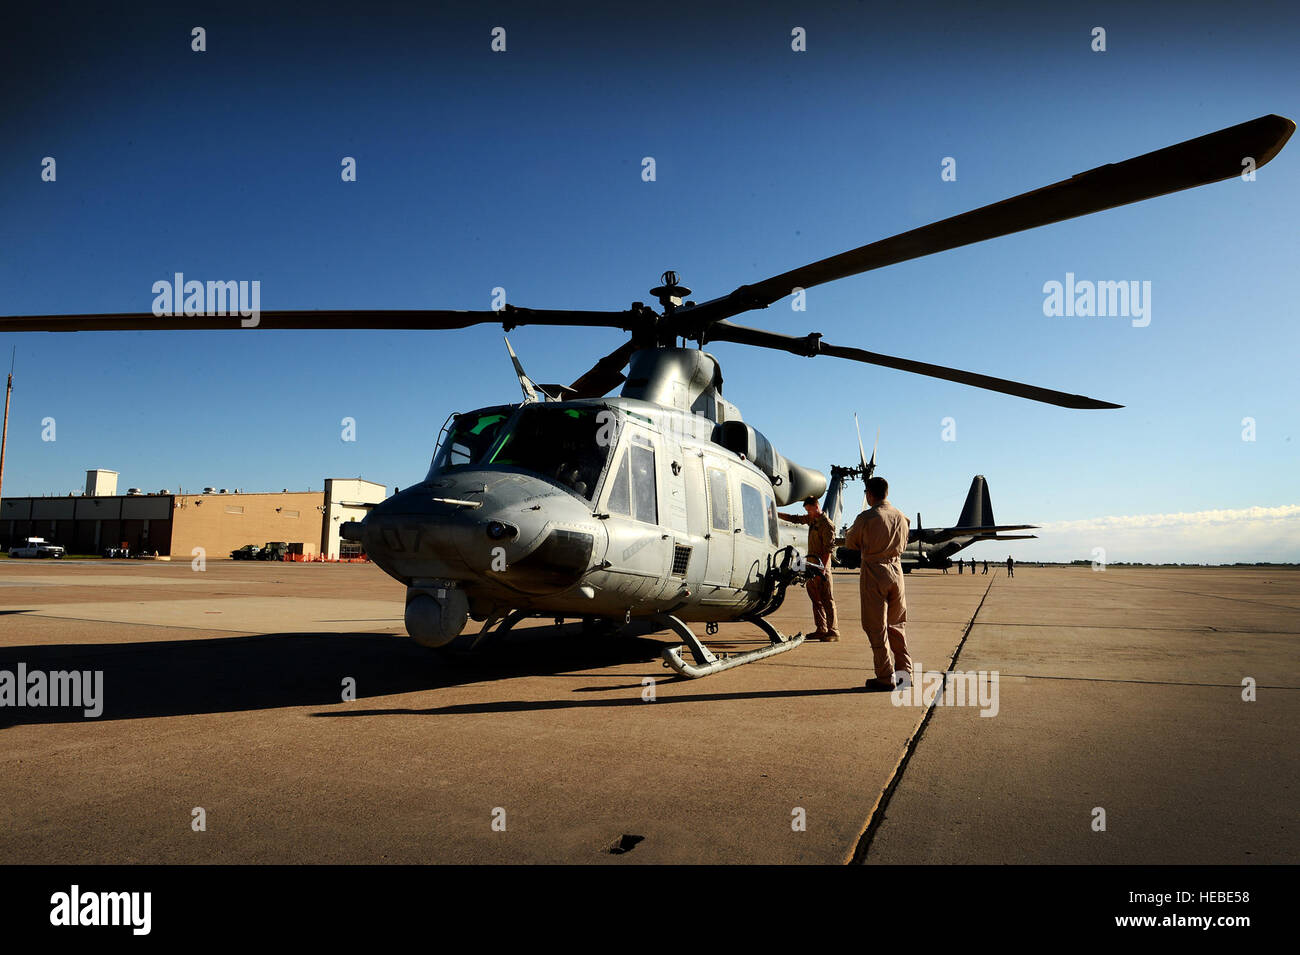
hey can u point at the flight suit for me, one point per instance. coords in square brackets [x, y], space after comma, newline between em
[880, 535]
[821, 538]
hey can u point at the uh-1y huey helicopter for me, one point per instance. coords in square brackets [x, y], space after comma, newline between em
[660, 504]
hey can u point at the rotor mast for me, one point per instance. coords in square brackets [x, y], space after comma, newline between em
[671, 296]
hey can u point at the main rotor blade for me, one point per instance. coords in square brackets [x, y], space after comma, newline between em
[812, 345]
[1196, 162]
[407, 319]
[605, 375]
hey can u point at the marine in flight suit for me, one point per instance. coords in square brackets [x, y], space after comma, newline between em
[821, 537]
[880, 535]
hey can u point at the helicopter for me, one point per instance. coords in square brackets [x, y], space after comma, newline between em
[659, 505]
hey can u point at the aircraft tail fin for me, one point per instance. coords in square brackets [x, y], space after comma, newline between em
[978, 511]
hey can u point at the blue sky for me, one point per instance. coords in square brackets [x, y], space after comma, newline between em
[522, 170]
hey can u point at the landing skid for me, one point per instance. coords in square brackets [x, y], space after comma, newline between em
[706, 661]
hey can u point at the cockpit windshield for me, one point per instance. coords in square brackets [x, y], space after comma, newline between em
[469, 438]
[559, 444]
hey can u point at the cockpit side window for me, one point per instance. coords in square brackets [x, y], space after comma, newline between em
[641, 462]
[633, 491]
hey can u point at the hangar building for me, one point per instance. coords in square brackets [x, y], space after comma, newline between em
[217, 520]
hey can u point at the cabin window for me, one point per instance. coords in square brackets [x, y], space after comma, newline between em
[751, 506]
[620, 493]
[644, 494]
[721, 518]
[772, 531]
[632, 491]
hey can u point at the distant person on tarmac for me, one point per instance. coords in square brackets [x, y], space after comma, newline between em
[945, 567]
[960, 564]
[880, 536]
[1011, 566]
[986, 565]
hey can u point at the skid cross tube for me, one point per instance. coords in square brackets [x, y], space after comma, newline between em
[706, 661]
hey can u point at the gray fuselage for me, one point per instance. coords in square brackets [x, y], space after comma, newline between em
[653, 517]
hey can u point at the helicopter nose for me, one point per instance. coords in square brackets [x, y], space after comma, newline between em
[416, 525]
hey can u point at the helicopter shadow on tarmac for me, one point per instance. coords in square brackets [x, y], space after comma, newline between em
[266, 671]
[629, 696]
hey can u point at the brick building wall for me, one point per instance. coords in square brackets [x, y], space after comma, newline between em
[220, 523]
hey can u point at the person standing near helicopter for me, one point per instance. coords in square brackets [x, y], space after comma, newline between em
[821, 537]
[880, 535]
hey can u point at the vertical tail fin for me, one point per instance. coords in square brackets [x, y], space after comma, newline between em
[978, 511]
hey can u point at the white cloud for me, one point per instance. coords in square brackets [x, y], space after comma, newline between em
[1284, 513]
[1245, 535]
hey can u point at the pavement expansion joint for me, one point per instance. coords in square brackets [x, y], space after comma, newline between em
[1103, 679]
[859, 856]
[1193, 593]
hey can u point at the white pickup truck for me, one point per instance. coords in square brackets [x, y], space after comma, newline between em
[35, 547]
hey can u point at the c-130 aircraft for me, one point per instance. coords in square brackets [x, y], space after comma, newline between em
[659, 504]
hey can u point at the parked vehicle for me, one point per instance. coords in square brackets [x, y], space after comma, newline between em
[274, 550]
[35, 547]
[247, 552]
